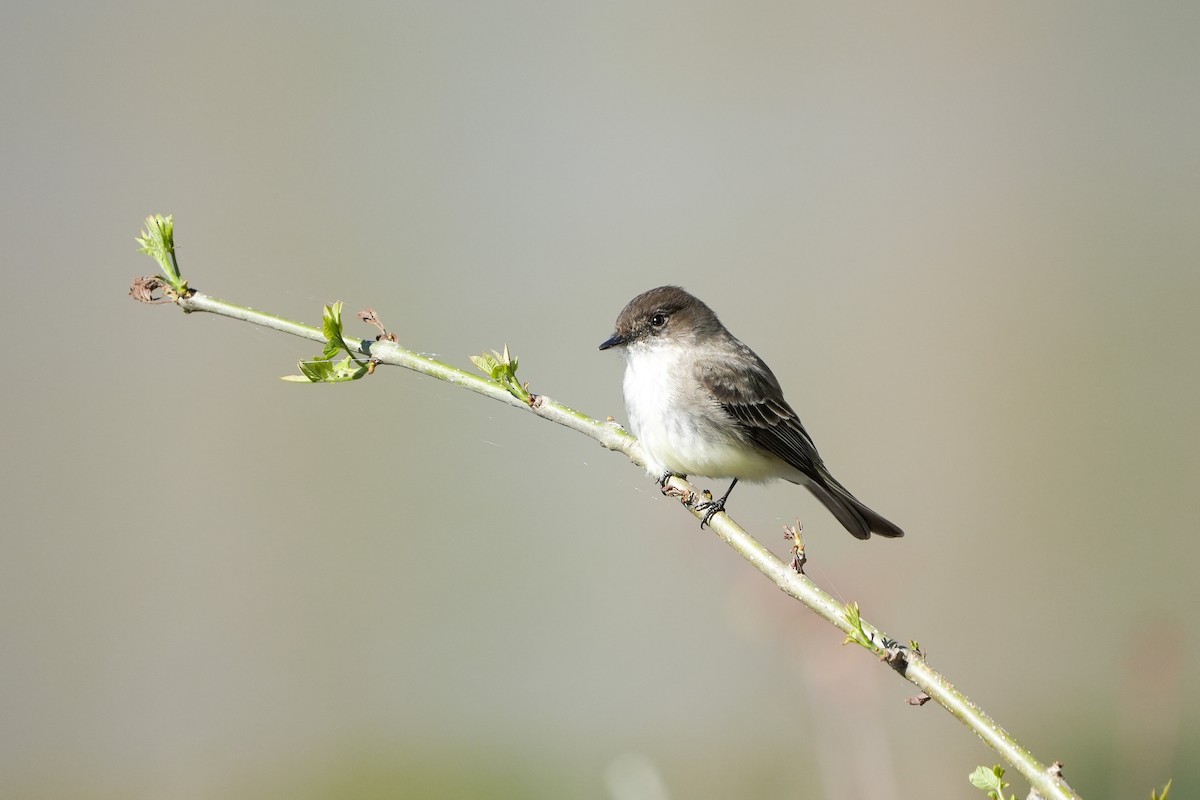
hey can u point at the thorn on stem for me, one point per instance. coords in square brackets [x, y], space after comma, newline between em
[369, 316]
[143, 290]
[795, 534]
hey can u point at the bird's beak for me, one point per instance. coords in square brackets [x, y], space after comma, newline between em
[616, 340]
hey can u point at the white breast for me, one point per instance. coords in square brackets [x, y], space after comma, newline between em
[652, 383]
[681, 428]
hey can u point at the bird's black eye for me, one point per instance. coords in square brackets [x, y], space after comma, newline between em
[658, 320]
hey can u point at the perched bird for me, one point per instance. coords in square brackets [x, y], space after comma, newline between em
[702, 403]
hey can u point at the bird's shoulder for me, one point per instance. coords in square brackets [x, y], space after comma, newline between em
[739, 380]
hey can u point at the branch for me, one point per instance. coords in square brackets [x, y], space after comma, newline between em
[909, 662]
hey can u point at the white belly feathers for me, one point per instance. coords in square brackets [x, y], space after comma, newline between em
[659, 391]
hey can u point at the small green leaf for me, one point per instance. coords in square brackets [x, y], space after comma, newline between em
[983, 778]
[348, 369]
[323, 370]
[858, 635]
[317, 370]
[331, 323]
[502, 368]
[989, 780]
[486, 364]
[1166, 790]
[331, 326]
[158, 239]
[158, 242]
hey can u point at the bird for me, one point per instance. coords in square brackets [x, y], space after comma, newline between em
[703, 403]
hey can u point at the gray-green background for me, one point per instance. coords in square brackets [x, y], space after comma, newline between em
[964, 235]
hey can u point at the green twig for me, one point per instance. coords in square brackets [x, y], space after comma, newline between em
[501, 385]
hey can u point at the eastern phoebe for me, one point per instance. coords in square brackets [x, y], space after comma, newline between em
[702, 403]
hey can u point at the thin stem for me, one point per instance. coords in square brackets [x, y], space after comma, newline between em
[908, 663]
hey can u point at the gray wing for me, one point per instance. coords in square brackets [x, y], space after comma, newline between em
[750, 394]
[748, 391]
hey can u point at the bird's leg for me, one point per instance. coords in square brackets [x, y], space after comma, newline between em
[711, 507]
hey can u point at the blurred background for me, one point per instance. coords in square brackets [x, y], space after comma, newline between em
[964, 236]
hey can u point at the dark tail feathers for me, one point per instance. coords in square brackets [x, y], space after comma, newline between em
[854, 516]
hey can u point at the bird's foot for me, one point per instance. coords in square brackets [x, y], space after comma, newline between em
[672, 491]
[710, 509]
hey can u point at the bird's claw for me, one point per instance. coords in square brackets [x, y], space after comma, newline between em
[672, 491]
[710, 509]
[675, 491]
